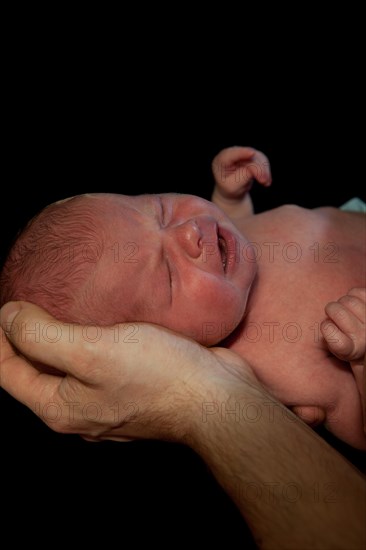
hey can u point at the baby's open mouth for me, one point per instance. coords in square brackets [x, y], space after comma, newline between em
[223, 250]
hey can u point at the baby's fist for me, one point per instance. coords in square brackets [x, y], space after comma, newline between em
[345, 328]
[235, 168]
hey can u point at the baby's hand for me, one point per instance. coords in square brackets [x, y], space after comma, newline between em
[345, 333]
[235, 168]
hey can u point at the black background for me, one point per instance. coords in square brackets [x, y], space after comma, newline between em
[74, 130]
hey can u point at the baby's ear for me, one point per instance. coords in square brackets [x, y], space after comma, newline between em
[311, 415]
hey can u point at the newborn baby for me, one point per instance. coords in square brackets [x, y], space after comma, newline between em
[213, 271]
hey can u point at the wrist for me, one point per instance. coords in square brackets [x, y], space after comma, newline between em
[220, 194]
[217, 405]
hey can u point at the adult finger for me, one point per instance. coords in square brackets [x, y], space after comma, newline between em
[40, 337]
[22, 380]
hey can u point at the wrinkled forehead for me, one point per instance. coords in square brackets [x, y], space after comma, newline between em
[125, 223]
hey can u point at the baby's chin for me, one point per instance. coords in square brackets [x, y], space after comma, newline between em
[209, 334]
[213, 334]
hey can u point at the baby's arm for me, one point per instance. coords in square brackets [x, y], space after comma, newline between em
[234, 170]
[345, 334]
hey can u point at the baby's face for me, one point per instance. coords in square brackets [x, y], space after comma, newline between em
[172, 260]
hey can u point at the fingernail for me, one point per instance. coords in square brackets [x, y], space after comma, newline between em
[8, 312]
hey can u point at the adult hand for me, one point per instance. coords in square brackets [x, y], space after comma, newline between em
[125, 382]
[142, 381]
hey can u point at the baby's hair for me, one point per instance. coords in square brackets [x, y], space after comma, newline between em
[53, 261]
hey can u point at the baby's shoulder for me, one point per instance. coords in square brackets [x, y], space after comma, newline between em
[326, 223]
[282, 218]
[283, 212]
[292, 211]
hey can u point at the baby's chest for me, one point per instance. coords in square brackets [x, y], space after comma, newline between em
[283, 325]
[282, 338]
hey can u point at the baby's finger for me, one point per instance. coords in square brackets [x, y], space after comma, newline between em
[355, 301]
[344, 317]
[232, 155]
[360, 292]
[341, 345]
[260, 168]
[228, 159]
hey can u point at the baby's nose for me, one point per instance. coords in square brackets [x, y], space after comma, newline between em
[188, 236]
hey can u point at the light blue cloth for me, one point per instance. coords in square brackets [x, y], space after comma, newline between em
[354, 205]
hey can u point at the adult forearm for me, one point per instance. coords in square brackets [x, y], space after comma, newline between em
[292, 488]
